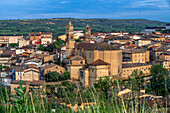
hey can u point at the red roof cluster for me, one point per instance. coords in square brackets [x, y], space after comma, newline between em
[38, 43]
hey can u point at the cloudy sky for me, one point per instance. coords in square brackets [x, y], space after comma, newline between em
[114, 9]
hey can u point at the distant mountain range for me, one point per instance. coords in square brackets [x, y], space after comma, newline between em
[57, 25]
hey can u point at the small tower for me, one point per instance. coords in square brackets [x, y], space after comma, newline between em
[88, 34]
[70, 39]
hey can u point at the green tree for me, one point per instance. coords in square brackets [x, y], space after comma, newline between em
[57, 46]
[57, 62]
[54, 76]
[136, 80]
[13, 44]
[66, 75]
[103, 85]
[159, 76]
[41, 47]
[50, 47]
[59, 42]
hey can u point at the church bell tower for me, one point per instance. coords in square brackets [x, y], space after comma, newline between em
[88, 34]
[70, 39]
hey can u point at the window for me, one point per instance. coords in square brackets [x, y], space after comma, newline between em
[56, 67]
[118, 69]
[70, 61]
[81, 62]
[89, 54]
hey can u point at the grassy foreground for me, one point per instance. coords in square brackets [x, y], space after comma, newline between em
[39, 102]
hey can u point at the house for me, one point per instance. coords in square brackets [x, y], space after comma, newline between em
[62, 37]
[165, 56]
[167, 35]
[31, 74]
[78, 34]
[27, 73]
[162, 62]
[168, 26]
[53, 67]
[61, 55]
[46, 40]
[6, 72]
[7, 39]
[136, 37]
[25, 49]
[49, 58]
[155, 53]
[135, 56]
[6, 56]
[35, 36]
[33, 61]
[23, 42]
[142, 42]
[127, 69]
[74, 64]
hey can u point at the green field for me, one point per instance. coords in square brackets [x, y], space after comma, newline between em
[57, 25]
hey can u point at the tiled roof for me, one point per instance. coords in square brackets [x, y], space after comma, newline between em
[99, 62]
[77, 58]
[49, 66]
[167, 41]
[32, 67]
[70, 56]
[133, 51]
[162, 49]
[95, 46]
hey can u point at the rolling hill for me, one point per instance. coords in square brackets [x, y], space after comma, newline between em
[57, 25]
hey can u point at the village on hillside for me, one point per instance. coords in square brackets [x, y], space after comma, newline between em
[81, 58]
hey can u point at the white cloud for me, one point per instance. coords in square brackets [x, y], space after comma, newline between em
[64, 2]
[149, 4]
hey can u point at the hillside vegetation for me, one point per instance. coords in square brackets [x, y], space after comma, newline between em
[57, 25]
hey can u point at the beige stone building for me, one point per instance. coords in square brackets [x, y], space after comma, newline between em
[127, 69]
[62, 37]
[87, 62]
[74, 64]
[10, 39]
[136, 56]
[23, 42]
[164, 63]
[53, 67]
[142, 42]
[46, 40]
[28, 74]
